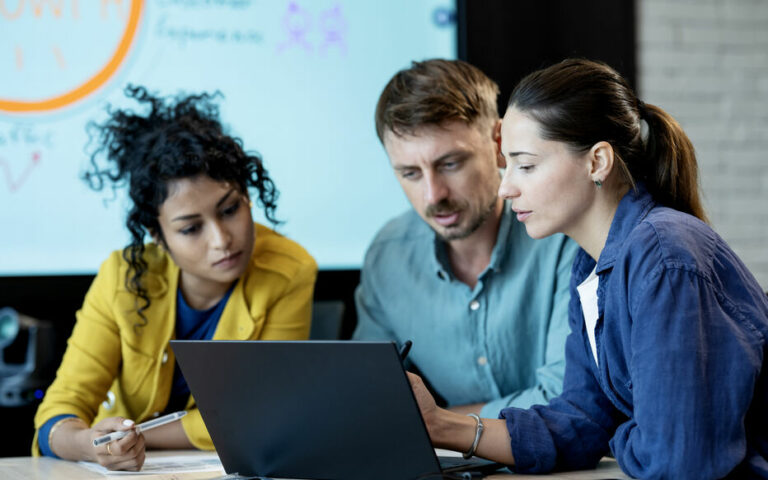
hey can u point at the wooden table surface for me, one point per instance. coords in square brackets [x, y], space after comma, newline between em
[28, 468]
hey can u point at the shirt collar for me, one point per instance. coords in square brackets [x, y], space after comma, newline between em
[632, 209]
[442, 264]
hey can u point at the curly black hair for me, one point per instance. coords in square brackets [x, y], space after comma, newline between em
[180, 137]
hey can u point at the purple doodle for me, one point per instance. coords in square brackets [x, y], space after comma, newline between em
[297, 23]
[334, 27]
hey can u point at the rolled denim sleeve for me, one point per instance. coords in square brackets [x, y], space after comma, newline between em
[695, 363]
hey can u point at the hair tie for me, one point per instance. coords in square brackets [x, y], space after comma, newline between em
[645, 127]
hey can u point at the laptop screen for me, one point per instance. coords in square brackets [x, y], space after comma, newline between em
[308, 409]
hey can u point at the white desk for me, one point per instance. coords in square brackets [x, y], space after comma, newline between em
[28, 468]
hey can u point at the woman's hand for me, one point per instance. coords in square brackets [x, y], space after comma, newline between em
[427, 405]
[127, 453]
[74, 441]
[457, 432]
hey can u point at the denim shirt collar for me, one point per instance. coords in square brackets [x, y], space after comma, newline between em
[442, 264]
[632, 209]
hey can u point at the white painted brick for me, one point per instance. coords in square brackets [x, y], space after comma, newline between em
[706, 63]
[742, 241]
[745, 60]
[723, 36]
[751, 250]
[745, 11]
[742, 207]
[744, 245]
[658, 34]
[730, 132]
[673, 58]
[762, 84]
[670, 100]
[734, 186]
[751, 144]
[688, 113]
[751, 161]
[714, 81]
[733, 162]
[747, 107]
[666, 11]
[651, 69]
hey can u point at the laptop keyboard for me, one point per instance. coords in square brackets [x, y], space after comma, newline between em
[457, 462]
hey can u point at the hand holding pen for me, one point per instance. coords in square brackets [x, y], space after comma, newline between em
[142, 427]
[119, 444]
[127, 453]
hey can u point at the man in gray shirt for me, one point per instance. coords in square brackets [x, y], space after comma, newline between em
[484, 304]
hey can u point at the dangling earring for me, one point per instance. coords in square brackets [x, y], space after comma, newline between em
[250, 204]
[598, 184]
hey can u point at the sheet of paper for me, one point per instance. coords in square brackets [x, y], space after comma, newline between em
[164, 465]
[440, 452]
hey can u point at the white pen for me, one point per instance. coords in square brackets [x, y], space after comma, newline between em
[148, 425]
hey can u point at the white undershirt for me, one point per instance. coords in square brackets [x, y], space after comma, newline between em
[588, 296]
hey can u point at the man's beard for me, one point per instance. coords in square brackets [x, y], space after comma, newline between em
[447, 206]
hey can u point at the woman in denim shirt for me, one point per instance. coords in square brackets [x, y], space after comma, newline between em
[664, 363]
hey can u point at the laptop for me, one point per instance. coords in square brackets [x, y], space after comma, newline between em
[312, 409]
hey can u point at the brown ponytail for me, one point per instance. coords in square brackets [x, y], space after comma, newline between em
[674, 179]
[581, 102]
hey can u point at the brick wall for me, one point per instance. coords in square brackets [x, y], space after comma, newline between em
[706, 63]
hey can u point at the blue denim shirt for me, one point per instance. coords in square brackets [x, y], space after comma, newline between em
[502, 342]
[681, 391]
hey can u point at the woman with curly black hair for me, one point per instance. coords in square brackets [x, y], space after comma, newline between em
[209, 273]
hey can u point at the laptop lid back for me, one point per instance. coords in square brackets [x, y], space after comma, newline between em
[308, 409]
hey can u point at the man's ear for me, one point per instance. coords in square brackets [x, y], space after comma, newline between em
[501, 162]
[601, 158]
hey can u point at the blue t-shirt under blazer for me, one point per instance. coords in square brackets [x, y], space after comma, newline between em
[681, 390]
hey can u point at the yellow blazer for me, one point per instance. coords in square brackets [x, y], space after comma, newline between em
[112, 369]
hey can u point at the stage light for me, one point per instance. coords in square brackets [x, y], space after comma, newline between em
[26, 357]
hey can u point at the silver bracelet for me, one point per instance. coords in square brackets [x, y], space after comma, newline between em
[478, 432]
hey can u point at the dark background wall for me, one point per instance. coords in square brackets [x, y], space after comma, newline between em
[506, 39]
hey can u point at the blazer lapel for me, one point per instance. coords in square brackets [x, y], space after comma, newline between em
[235, 322]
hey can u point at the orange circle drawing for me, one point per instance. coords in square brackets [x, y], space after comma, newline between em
[90, 85]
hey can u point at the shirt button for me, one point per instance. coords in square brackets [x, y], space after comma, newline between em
[482, 361]
[474, 305]
[165, 358]
[156, 414]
